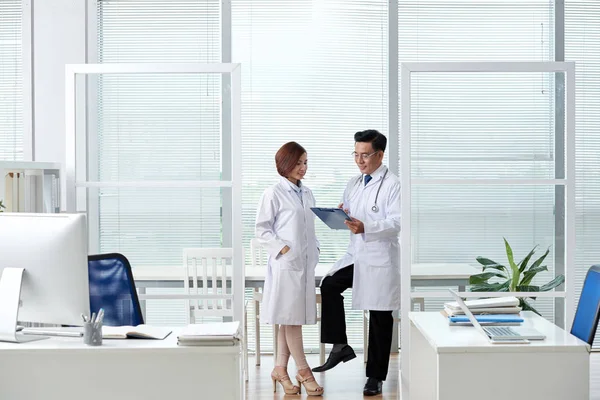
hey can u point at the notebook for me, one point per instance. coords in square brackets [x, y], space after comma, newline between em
[135, 332]
[499, 334]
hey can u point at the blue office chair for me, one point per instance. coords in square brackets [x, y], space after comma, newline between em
[113, 289]
[586, 318]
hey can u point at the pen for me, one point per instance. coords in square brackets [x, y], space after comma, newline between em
[99, 318]
[83, 317]
[93, 317]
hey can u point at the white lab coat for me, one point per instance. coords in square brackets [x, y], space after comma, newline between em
[289, 296]
[376, 252]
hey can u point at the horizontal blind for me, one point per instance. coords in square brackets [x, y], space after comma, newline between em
[158, 127]
[11, 80]
[314, 72]
[582, 45]
[468, 125]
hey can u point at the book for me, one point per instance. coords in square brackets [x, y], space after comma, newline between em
[485, 303]
[488, 318]
[220, 342]
[135, 332]
[211, 334]
[487, 310]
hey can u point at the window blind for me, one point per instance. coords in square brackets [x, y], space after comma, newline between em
[480, 126]
[158, 127]
[11, 80]
[582, 44]
[314, 72]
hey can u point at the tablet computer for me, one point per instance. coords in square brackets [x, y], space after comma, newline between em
[333, 217]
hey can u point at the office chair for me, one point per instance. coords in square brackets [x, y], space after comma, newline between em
[112, 288]
[586, 318]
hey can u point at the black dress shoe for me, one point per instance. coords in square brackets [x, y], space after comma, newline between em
[372, 387]
[345, 354]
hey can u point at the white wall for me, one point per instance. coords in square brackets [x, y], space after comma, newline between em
[59, 38]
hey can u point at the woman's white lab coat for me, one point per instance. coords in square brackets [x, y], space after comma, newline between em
[289, 296]
[376, 252]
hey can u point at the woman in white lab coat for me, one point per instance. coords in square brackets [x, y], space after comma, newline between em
[285, 228]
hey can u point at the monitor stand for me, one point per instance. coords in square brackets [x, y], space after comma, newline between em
[10, 297]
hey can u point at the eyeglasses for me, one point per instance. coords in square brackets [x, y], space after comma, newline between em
[364, 156]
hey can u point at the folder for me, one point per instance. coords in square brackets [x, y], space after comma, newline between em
[9, 183]
[487, 318]
[332, 217]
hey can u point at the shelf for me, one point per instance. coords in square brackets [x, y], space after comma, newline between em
[29, 165]
[30, 186]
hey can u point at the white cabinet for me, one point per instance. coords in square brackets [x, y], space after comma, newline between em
[30, 186]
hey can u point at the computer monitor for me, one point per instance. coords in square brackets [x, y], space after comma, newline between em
[52, 250]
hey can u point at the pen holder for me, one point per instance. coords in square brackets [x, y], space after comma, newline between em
[92, 333]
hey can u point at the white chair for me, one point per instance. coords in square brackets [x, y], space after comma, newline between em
[259, 259]
[213, 268]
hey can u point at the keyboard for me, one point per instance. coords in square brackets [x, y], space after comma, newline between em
[503, 331]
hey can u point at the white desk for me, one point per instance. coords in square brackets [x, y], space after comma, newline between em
[65, 368]
[457, 362]
[438, 274]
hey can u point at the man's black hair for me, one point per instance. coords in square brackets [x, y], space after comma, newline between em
[376, 138]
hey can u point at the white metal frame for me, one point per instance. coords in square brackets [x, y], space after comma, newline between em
[70, 181]
[27, 51]
[406, 70]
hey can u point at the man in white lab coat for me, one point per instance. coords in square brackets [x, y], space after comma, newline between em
[371, 265]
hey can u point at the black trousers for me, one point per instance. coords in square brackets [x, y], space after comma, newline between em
[333, 323]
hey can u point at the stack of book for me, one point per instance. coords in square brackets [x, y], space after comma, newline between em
[498, 310]
[212, 334]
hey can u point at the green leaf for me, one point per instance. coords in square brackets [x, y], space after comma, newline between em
[531, 273]
[514, 268]
[527, 307]
[553, 283]
[483, 277]
[490, 287]
[528, 288]
[487, 263]
[540, 260]
[523, 264]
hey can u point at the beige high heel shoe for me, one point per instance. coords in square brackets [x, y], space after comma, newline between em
[286, 383]
[310, 384]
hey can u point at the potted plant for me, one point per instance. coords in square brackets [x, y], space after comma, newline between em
[516, 277]
[2, 206]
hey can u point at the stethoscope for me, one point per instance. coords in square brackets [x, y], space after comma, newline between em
[375, 207]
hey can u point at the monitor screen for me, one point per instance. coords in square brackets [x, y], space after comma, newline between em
[586, 317]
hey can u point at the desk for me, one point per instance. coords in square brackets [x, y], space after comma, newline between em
[423, 275]
[65, 368]
[457, 362]
[450, 274]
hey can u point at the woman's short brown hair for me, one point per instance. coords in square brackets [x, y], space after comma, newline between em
[287, 157]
